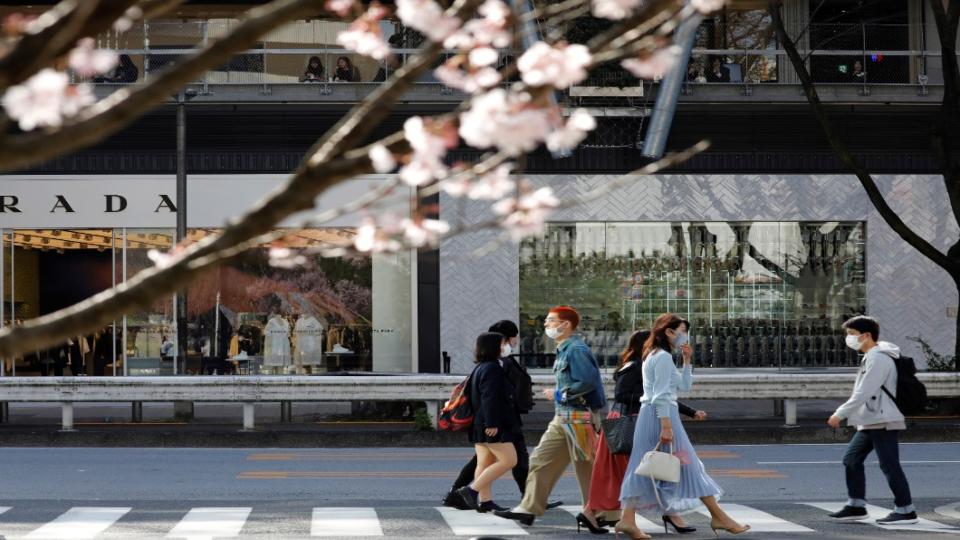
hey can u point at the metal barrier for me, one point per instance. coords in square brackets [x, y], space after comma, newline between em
[433, 390]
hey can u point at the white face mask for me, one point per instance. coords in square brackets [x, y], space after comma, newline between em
[853, 342]
[552, 333]
[506, 350]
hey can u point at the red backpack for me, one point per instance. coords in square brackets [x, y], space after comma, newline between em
[457, 412]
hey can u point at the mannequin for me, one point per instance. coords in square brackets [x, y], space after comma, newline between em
[308, 333]
[276, 343]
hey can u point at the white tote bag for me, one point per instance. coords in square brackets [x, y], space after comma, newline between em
[659, 465]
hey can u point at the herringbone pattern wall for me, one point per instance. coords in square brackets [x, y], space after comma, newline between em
[479, 281]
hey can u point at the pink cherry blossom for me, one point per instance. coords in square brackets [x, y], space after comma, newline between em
[653, 65]
[430, 141]
[560, 66]
[527, 214]
[383, 161]
[282, 257]
[45, 99]
[483, 56]
[125, 22]
[707, 6]
[470, 82]
[506, 121]
[340, 7]
[422, 170]
[365, 35]
[491, 28]
[422, 232]
[162, 259]
[88, 61]
[615, 9]
[427, 17]
[493, 185]
[373, 239]
[572, 133]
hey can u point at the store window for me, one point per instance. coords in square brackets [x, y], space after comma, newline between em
[757, 294]
[246, 317]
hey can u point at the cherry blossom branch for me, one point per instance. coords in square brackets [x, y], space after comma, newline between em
[121, 108]
[54, 33]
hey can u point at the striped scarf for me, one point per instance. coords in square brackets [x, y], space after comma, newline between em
[578, 427]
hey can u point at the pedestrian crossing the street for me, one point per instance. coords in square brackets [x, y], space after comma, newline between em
[209, 523]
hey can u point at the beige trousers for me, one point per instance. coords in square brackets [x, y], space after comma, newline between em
[548, 462]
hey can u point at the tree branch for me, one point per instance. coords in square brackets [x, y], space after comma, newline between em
[846, 157]
[945, 129]
[125, 105]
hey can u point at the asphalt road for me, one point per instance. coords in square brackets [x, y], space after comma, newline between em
[71, 493]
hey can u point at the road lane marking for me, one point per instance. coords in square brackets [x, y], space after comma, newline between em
[645, 524]
[876, 512]
[345, 522]
[908, 462]
[759, 521]
[465, 523]
[716, 454]
[949, 510]
[211, 523]
[4, 509]
[757, 474]
[284, 475]
[79, 522]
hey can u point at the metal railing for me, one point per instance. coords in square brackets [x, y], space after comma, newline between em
[431, 389]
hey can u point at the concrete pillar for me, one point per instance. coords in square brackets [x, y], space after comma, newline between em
[392, 319]
[286, 411]
[66, 411]
[248, 423]
[790, 412]
[183, 410]
[433, 409]
[136, 412]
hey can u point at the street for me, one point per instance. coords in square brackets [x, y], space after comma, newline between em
[783, 491]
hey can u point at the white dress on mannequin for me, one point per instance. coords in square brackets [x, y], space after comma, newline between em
[276, 342]
[309, 335]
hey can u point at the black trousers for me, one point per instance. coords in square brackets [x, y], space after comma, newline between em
[885, 444]
[519, 472]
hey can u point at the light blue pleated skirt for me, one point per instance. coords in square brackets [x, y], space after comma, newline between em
[676, 497]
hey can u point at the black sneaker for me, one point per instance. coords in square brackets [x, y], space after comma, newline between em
[469, 497]
[849, 513]
[453, 500]
[554, 504]
[896, 518]
[490, 506]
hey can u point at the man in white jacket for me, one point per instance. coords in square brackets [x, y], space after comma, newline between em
[878, 422]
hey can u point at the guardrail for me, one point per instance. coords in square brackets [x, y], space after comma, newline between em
[433, 390]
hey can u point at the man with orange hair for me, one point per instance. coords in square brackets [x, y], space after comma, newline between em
[571, 436]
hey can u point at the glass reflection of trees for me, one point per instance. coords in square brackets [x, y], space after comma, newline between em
[758, 294]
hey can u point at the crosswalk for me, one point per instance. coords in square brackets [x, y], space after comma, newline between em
[209, 522]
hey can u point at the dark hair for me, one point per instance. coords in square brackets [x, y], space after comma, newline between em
[567, 313]
[345, 59]
[634, 346]
[488, 347]
[863, 324]
[314, 70]
[505, 327]
[658, 334]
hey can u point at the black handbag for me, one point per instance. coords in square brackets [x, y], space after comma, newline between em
[619, 433]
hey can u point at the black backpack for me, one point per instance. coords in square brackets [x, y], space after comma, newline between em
[522, 384]
[911, 393]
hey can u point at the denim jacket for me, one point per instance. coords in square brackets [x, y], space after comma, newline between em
[579, 384]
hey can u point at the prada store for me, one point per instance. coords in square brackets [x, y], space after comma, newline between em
[64, 239]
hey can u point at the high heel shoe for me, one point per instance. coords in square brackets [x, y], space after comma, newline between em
[584, 521]
[677, 528]
[634, 534]
[717, 526]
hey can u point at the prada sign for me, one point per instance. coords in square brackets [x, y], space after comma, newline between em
[149, 201]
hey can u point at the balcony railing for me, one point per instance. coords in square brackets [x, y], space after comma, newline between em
[835, 54]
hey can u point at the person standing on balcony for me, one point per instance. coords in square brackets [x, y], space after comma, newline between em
[572, 434]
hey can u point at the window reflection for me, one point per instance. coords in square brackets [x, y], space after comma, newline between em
[756, 293]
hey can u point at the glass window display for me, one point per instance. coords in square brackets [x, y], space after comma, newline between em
[760, 294]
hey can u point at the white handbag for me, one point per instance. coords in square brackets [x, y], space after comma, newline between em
[659, 465]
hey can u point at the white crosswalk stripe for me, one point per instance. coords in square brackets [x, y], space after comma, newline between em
[79, 523]
[876, 512]
[645, 525]
[345, 522]
[3, 509]
[209, 523]
[465, 523]
[758, 520]
[949, 510]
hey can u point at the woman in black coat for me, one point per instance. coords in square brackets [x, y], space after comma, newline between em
[496, 422]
